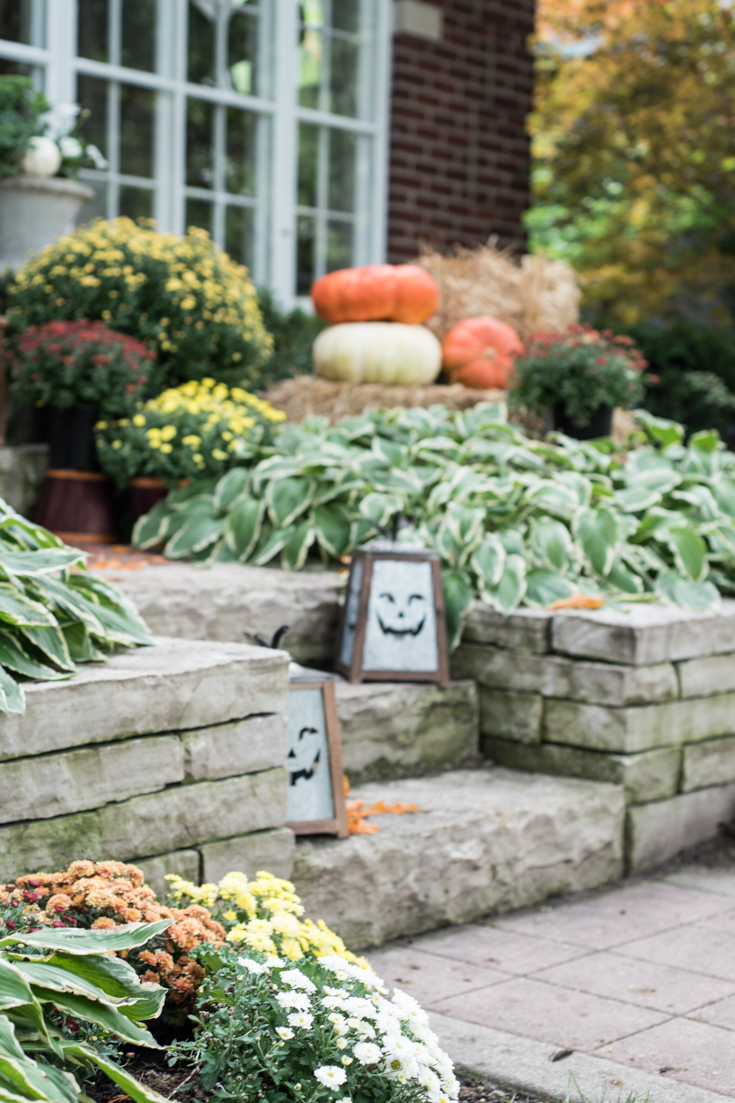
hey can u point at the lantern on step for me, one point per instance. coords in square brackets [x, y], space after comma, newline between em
[393, 627]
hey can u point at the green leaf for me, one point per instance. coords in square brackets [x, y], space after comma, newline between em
[623, 579]
[105, 1015]
[132, 1087]
[39, 562]
[457, 603]
[198, 533]
[270, 546]
[464, 523]
[69, 601]
[332, 528]
[52, 643]
[230, 487]
[75, 940]
[548, 497]
[12, 696]
[117, 979]
[151, 529]
[685, 592]
[599, 534]
[287, 498]
[488, 560]
[707, 440]
[554, 542]
[640, 496]
[243, 526]
[509, 592]
[544, 587]
[659, 429]
[380, 508]
[18, 610]
[724, 492]
[296, 549]
[689, 551]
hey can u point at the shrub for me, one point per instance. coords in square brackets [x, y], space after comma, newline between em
[64, 363]
[20, 111]
[579, 369]
[194, 431]
[294, 332]
[183, 296]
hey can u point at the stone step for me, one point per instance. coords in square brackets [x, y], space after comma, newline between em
[483, 841]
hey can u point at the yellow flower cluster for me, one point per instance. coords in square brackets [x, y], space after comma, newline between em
[264, 914]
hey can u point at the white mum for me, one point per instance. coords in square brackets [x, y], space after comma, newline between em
[298, 1000]
[297, 979]
[331, 1076]
[367, 1053]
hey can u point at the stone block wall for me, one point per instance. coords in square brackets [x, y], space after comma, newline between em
[645, 699]
[170, 756]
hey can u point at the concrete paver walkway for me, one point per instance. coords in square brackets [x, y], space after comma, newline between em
[642, 975]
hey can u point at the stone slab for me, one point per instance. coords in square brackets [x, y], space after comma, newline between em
[557, 676]
[657, 831]
[651, 775]
[231, 602]
[397, 729]
[706, 676]
[241, 747]
[645, 634]
[172, 686]
[524, 629]
[708, 763]
[269, 850]
[483, 841]
[184, 862]
[173, 819]
[50, 785]
[638, 728]
[516, 716]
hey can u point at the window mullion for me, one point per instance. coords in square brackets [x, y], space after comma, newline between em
[61, 23]
[283, 171]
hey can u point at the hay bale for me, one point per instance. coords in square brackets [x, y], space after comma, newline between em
[533, 296]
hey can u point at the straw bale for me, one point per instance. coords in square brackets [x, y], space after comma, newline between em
[534, 295]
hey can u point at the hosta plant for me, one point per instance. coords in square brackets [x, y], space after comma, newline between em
[54, 985]
[53, 613]
[516, 520]
[323, 1031]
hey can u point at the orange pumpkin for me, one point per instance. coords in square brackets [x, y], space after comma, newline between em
[376, 292]
[479, 352]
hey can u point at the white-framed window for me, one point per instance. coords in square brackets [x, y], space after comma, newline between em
[264, 121]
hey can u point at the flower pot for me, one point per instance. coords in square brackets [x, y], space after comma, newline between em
[34, 211]
[599, 424]
[144, 491]
[71, 438]
[78, 506]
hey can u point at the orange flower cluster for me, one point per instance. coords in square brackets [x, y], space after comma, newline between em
[101, 895]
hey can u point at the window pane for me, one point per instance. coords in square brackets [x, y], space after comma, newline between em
[342, 157]
[240, 165]
[345, 14]
[242, 45]
[136, 130]
[239, 234]
[93, 31]
[92, 97]
[312, 13]
[17, 23]
[139, 34]
[308, 165]
[199, 213]
[305, 254]
[343, 77]
[14, 68]
[200, 68]
[339, 245]
[310, 75]
[136, 202]
[199, 143]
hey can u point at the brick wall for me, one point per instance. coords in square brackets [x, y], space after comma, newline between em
[459, 158]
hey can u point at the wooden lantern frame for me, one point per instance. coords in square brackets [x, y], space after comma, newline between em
[337, 825]
[354, 671]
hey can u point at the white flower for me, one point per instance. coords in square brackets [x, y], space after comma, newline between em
[341, 1043]
[274, 962]
[298, 1000]
[96, 157]
[409, 1009]
[344, 1099]
[297, 979]
[302, 1019]
[331, 1076]
[335, 991]
[332, 1001]
[366, 1029]
[284, 1033]
[346, 1061]
[60, 120]
[367, 1053]
[252, 966]
[70, 147]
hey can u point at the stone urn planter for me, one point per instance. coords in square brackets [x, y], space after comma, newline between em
[34, 211]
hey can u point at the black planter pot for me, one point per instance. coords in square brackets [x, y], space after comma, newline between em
[599, 424]
[71, 438]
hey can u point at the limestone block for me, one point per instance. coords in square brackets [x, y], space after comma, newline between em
[651, 775]
[57, 784]
[708, 763]
[230, 602]
[645, 634]
[524, 629]
[706, 676]
[184, 862]
[483, 841]
[173, 686]
[269, 850]
[657, 831]
[241, 747]
[174, 819]
[511, 715]
[633, 729]
[556, 676]
[396, 729]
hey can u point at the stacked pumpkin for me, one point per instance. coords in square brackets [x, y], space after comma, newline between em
[376, 334]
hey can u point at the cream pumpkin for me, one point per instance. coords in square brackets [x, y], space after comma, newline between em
[378, 352]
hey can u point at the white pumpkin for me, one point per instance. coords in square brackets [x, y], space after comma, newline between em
[43, 158]
[378, 352]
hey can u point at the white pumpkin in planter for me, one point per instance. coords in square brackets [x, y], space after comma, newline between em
[378, 352]
[43, 157]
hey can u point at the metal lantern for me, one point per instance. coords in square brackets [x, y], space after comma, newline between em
[393, 627]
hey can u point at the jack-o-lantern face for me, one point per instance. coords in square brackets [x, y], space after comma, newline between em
[303, 759]
[400, 614]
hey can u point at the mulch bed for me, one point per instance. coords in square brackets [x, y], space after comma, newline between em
[482, 1091]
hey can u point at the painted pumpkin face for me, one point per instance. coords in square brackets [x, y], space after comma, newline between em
[304, 756]
[400, 614]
